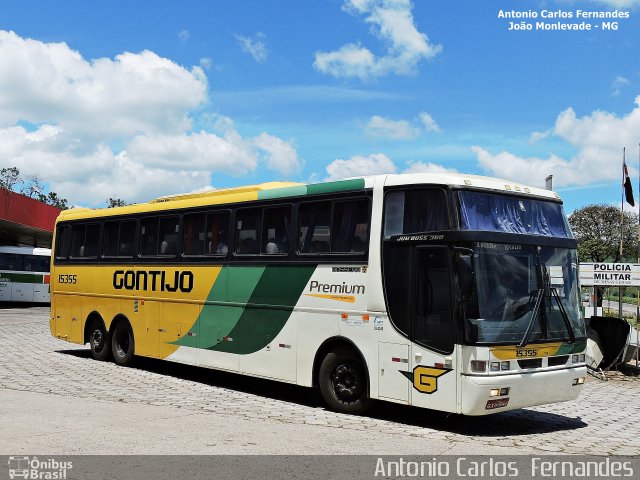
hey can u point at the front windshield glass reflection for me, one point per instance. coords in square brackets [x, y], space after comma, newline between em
[509, 278]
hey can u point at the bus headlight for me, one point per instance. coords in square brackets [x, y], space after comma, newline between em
[578, 358]
[498, 366]
[478, 366]
[499, 392]
[578, 381]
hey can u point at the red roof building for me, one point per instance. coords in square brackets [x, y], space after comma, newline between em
[25, 221]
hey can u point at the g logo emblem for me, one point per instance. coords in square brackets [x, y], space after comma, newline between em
[425, 379]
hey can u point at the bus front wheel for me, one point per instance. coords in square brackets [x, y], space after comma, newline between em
[122, 344]
[343, 382]
[100, 341]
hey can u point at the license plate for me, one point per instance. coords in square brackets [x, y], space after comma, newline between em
[497, 403]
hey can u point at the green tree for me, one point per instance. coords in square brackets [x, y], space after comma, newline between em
[115, 202]
[53, 199]
[597, 229]
[9, 177]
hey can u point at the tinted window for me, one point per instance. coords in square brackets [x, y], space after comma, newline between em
[126, 238]
[36, 263]
[110, 239]
[350, 226]
[62, 241]
[11, 262]
[84, 240]
[416, 210]
[118, 238]
[503, 213]
[247, 228]
[206, 234]
[314, 234]
[159, 236]
[275, 230]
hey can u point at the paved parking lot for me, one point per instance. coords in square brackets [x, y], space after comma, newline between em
[55, 399]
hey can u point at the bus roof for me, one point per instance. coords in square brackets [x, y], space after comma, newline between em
[272, 190]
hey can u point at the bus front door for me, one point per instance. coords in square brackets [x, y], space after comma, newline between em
[432, 359]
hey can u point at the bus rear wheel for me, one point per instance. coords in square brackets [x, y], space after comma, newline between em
[343, 382]
[100, 341]
[122, 344]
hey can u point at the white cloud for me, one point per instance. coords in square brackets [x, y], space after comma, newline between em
[387, 128]
[429, 123]
[254, 46]
[598, 139]
[619, 3]
[280, 156]
[375, 164]
[392, 21]
[359, 166]
[206, 63]
[41, 82]
[400, 129]
[184, 35]
[118, 128]
[421, 167]
[617, 85]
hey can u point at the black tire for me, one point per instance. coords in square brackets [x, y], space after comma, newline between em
[343, 382]
[122, 344]
[99, 340]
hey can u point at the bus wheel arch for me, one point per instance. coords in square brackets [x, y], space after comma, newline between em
[340, 371]
[97, 336]
[122, 341]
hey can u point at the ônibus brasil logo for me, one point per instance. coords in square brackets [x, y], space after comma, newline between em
[36, 469]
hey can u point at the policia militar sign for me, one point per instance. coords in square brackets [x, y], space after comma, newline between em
[610, 274]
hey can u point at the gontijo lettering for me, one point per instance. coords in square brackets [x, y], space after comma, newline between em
[153, 280]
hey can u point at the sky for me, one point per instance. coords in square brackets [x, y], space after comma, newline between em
[136, 100]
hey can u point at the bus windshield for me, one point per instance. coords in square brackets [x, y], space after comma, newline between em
[522, 294]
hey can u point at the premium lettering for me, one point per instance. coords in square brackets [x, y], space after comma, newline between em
[153, 280]
[335, 288]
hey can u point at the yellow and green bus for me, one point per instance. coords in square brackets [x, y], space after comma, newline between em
[445, 291]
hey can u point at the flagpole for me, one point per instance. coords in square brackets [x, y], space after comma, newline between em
[638, 296]
[622, 226]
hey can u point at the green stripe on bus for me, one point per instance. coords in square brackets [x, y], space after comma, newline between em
[297, 191]
[339, 186]
[313, 189]
[269, 308]
[216, 321]
[21, 278]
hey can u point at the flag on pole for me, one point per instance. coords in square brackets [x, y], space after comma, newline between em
[628, 190]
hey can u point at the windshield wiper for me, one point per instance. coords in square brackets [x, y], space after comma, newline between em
[546, 292]
[565, 317]
[539, 293]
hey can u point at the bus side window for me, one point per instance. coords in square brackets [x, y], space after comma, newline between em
[314, 233]
[414, 211]
[126, 238]
[217, 235]
[247, 228]
[275, 230]
[110, 239]
[350, 226]
[194, 234]
[168, 235]
[84, 240]
[62, 241]
[149, 236]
